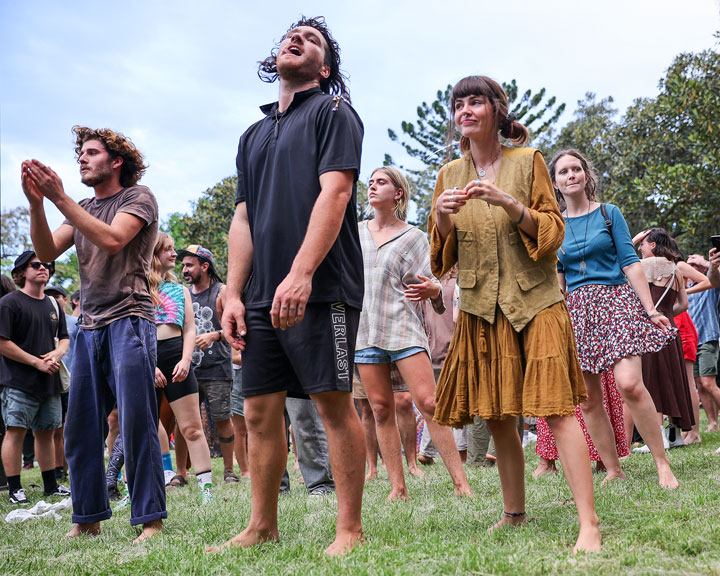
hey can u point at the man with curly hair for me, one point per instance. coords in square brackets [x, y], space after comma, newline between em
[295, 278]
[114, 233]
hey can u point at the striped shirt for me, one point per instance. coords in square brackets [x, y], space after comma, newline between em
[389, 320]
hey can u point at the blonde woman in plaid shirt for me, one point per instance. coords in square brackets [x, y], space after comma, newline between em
[396, 259]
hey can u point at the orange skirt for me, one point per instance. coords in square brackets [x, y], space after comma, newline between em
[492, 371]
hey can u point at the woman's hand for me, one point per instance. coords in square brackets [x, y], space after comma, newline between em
[450, 201]
[488, 192]
[419, 292]
[659, 320]
[160, 381]
[181, 370]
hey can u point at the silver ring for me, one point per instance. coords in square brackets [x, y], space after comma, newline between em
[452, 196]
[477, 182]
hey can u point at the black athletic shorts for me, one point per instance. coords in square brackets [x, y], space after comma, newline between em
[169, 353]
[311, 357]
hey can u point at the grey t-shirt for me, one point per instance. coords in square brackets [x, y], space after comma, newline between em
[114, 286]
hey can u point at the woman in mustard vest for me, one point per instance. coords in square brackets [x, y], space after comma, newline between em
[513, 350]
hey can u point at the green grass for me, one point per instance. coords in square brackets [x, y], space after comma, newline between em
[646, 530]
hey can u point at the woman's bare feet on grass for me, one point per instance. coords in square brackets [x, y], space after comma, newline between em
[345, 543]
[246, 538]
[692, 438]
[544, 468]
[506, 520]
[667, 478]
[149, 530]
[415, 471]
[613, 475]
[371, 475]
[84, 530]
[589, 540]
[400, 494]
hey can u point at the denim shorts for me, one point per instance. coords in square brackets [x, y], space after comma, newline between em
[237, 400]
[379, 356]
[23, 410]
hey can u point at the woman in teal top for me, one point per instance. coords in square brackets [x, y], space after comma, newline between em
[613, 315]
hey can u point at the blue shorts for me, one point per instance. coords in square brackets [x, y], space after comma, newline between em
[379, 356]
[23, 410]
[237, 400]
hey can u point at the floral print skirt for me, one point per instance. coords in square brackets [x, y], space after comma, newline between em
[610, 324]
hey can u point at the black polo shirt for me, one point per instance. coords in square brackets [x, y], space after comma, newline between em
[279, 162]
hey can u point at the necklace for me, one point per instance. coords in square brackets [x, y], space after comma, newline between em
[481, 172]
[583, 266]
[278, 116]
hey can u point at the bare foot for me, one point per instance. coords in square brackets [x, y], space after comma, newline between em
[613, 475]
[589, 540]
[712, 427]
[246, 538]
[84, 530]
[543, 469]
[415, 471]
[667, 478]
[464, 490]
[400, 494]
[371, 475]
[345, 543]
[692, 438]
[149, 530]
[245, 474]
[508, 521]
[425, 460]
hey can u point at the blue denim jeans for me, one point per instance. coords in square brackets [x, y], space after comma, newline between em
[312, 446]
[115, 363]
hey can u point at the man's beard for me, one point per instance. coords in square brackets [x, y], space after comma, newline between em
[305, 72]
[98, 177]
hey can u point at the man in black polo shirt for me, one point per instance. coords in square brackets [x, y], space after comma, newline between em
[295, 231]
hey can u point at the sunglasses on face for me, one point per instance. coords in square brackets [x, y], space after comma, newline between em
[49, 266]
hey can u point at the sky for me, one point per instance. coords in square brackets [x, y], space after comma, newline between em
[180, 78]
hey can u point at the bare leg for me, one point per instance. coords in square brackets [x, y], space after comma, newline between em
[378, 386]
[693, 435]
[45, 450]
[296, 466]
[113, 429]
[545, 466]
[599, 426]
[710, 394]
[628, 376]
[187, 414]
[240, 444]
[417, 372]
[59, 447]
[408, 430]
[345, 444]
[511, 467]
[573, 452]
[12, 450]
[267, 453]
[226, 440]
[181, 454]
[371, 443]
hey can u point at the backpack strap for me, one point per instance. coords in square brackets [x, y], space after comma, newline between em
[608, 223]
[57, 313]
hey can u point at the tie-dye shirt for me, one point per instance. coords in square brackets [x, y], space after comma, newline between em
[171, 309]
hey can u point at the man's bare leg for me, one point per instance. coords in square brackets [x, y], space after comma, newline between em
[371, 446]
[345, 443]
[511, 468]
[267, 454]
[408, 430]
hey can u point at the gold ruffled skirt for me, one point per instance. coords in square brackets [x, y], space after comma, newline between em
[492, 371]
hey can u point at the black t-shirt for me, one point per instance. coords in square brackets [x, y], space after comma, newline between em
[279, 162]
[31, 324]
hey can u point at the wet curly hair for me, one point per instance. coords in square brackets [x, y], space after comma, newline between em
[335, 82]
[117, 145]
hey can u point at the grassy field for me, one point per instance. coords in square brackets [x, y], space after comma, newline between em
[646, 530]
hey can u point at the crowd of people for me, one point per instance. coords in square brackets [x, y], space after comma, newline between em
[528, 300]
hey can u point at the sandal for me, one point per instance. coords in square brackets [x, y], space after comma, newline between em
[177, 482]
[231, 477]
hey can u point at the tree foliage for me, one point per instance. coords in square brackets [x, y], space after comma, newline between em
[426, 139]
[14, 235]
[208, 223]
